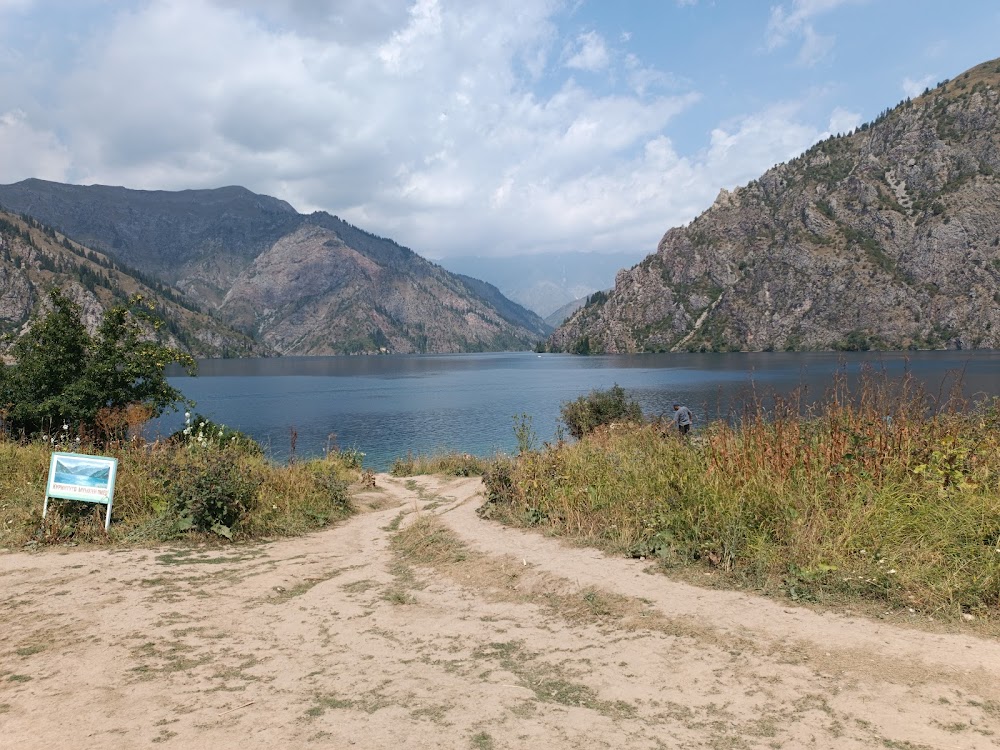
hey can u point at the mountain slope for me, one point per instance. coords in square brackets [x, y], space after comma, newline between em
[312, 293]
[34, 258]
[885, 238]
[302, 284]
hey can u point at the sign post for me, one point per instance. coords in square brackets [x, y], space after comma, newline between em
[74, 476]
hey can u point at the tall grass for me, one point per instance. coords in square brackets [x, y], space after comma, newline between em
[450, 464]
[880, 491]
[174, 490]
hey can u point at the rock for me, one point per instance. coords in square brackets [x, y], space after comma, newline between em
[887, 238]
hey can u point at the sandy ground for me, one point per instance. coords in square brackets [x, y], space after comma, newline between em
[331, 641]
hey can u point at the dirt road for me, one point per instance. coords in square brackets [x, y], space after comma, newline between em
[514, 640]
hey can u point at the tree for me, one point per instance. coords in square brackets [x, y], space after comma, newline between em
[65, 376]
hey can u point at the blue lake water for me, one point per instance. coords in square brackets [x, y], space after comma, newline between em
[388, 405]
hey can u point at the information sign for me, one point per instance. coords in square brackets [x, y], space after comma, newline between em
[74, 476]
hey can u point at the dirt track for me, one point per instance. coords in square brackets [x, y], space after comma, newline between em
[331, 641]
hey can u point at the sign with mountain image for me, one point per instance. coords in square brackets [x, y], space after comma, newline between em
[91, 479]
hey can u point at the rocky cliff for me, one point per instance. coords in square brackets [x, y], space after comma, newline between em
[299, 284]
[888, 237]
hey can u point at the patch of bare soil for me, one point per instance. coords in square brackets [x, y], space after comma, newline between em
[418, 625]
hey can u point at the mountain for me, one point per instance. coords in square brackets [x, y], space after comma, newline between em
[544, 282]
[888, 237]
[299, 284]
[34, 257]
[561, 315]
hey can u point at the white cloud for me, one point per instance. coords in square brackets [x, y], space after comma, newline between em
[843, 121]
[588, 52]
[795, 21]
[914, 87]
[431, 127]
[28, 151]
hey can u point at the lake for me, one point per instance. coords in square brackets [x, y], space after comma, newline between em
[388, 405]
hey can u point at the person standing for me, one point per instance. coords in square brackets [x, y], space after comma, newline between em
[683, 419]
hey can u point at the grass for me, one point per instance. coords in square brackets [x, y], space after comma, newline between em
[882, 494]
[171, 491]
[450, 464]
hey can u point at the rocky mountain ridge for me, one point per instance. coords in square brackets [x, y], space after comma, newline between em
[885, 238]
[34, 257]
[298, 284]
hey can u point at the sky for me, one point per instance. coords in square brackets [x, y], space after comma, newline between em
[463, 127]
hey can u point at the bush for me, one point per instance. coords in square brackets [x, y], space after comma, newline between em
[210, 491]
[501, 489]
[599, 408]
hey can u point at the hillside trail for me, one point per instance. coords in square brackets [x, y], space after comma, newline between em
[509, 640]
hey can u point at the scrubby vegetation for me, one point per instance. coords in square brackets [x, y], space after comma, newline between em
[451, 464]
[73, 392]
[66, 380]
[879, 492]
[173, 490]
[599, 408]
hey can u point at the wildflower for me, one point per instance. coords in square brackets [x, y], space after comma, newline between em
[65, 427]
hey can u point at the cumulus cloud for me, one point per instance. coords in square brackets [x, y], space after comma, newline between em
[455, 127]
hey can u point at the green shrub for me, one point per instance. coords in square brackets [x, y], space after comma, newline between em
[599, 408]
[210, 491]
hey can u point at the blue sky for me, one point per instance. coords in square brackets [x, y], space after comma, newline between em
[463, 127]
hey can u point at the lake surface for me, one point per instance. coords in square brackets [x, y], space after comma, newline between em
[388, 405]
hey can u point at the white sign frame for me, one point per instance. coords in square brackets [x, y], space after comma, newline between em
[78, 476]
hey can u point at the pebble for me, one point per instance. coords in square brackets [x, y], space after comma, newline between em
[966, 616]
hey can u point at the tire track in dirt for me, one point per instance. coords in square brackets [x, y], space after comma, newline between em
[336, 640]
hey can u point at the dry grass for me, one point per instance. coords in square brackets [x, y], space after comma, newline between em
[280, 500]
[882, 494]
[450, 464]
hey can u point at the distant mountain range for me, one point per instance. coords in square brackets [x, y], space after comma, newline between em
[266, 277]
[885, 238]
[546, 282]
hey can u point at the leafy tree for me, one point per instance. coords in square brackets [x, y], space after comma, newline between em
[63, 375]
[599, 408]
